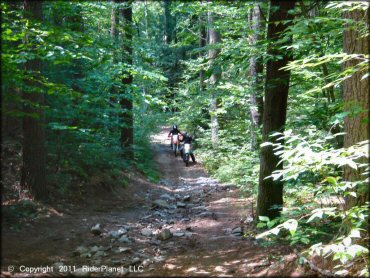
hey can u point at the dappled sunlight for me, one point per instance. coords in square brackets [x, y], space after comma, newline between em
[170, 266]
[196, 270]
[220, 269]
[200, 180]
[219, 259]
[165, 188]
[191, 269]
[222, 201]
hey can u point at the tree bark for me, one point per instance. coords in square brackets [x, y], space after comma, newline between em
[330, 90]
[172, 60]
[255, 71]
[356, 95]
[114, 30]
[114, 35]
[270, 192]
[33, 176]
[202, 43]
[167, 22]
[214, 38]
[127, 132]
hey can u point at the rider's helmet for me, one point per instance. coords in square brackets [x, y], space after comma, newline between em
[174, 126]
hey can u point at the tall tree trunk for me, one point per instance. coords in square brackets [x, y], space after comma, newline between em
[127, 132]
[214, 38]
[255, 70]
[114, 30]
[167, 23]
[202, 43]
[114, 35]
[170, 68]
[330, 90]
[356, 95]
[270, 192]
[33, 168]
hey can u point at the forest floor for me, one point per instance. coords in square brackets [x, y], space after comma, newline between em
[186, 225]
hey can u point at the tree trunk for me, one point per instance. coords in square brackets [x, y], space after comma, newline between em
[255, 70]
[202, 43]
[329, 91]
[270, 192]
[33, 168]
[114, 35]
[214, 38]
[171, 68]
[113, 29]
[167, 22]
[127, 132]
[356, 95]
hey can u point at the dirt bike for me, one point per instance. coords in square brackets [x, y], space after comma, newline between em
[175, 143]
[188, 151]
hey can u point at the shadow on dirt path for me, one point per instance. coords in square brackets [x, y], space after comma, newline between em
[187, 225]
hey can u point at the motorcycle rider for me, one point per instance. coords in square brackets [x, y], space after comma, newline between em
[174, 131]
[188, 139]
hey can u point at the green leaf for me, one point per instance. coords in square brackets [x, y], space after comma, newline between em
[352, 164]
[291, 225]
[355, 233]
[332, 180]
[264, 218]
[365, 76]
[317, 214]
[304, 240]
[347, 241]
[265, 144]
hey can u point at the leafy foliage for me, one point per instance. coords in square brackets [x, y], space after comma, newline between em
[83, 66]
[80, 80]
[313, 165]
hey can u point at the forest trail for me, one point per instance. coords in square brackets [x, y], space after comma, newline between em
[205, 219]
[217, 217]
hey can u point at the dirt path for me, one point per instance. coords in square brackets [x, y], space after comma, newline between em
[187, 225]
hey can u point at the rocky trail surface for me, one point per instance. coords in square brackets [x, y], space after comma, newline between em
[186, 225]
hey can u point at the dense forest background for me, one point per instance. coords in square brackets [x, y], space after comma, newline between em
[276, 94]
